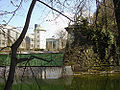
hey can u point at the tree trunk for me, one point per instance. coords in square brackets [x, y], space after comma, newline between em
[15, 46]
[117, 15]
[12, 71]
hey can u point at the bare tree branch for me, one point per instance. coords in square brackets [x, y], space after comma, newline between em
[55, 10]
[5, 48]
[14, 11]
[10, 18]
[24, 59]
[30, 58]
[41, 59]
[79, 9]
[14, 4]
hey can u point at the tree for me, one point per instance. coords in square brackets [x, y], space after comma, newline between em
[117, 16]
[101, 32]
[107, 13]
[61, 34]
[62, 37]
[15, 46]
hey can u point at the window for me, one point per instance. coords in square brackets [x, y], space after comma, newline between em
[3, 42]
[54, 44]
[38, 36]
[32, 39]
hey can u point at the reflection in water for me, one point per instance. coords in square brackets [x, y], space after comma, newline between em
[84, 82]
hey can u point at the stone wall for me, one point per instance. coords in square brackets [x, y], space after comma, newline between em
[38, 72]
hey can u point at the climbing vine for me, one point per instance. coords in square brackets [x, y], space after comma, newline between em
[101, 39]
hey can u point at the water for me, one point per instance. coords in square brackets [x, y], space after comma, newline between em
[84, 82]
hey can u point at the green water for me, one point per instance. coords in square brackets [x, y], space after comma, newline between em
[84, 82]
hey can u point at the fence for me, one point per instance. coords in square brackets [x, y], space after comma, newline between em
[43, 59]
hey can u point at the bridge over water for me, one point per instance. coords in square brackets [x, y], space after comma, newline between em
[45, 65]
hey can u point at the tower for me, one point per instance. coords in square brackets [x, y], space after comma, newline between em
[40, 37]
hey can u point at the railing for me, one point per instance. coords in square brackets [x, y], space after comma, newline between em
[42, 59]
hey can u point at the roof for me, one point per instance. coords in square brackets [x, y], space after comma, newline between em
[39, 28]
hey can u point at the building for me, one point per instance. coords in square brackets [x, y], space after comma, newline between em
[8, 35]
[3, 37]
[52, 44]
[30, 42]
[62, 43]
[36, 41]
[40, 37]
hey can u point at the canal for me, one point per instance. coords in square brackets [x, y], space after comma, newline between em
[81, 82]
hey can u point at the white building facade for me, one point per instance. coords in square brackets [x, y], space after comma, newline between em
[36, 41]
[8, 35]
[39, 37]
[3, 38]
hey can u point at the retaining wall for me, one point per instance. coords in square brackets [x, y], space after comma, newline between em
[39, 72]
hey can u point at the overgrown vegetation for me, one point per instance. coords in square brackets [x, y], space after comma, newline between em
[96, 40]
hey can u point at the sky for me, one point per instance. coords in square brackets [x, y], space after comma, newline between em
[40, 15]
